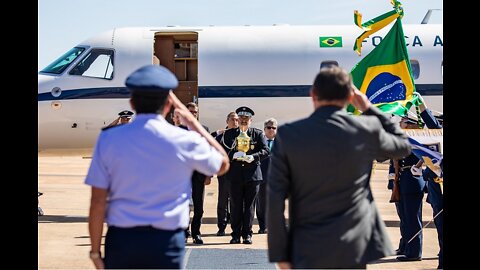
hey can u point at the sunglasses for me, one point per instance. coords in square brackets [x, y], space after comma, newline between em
[271, 128]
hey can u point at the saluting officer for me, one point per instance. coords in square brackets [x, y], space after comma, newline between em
[124, 117]
[246, 147]
[142, 189]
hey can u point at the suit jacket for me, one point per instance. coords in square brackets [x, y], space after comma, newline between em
[244, 171]
[322, 164]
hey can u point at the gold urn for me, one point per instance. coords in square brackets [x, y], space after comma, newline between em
[243, 142]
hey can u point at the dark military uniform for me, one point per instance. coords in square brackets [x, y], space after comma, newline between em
[435, 196]
[244, 179]
[409, 208]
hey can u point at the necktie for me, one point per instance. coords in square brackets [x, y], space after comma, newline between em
[269, 144]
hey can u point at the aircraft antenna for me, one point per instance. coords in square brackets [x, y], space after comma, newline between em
[427, 16]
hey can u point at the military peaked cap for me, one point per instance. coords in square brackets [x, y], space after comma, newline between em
[246, 111]
[125, 113]
[152, 79]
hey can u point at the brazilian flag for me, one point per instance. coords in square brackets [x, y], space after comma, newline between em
[385, 74]
[331, 42]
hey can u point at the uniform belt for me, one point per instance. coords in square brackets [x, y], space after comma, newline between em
[405, 167]
[141, 228]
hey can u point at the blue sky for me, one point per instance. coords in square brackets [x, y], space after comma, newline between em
[64, 24]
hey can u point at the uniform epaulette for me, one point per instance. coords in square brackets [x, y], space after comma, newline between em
[109, 127]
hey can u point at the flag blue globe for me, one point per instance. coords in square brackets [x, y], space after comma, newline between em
[386, 87]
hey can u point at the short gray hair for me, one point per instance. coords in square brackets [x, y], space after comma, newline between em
[272, 121]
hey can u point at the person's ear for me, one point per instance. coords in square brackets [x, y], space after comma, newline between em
[312, 94]
[167, 106]
[132, 104]
[351, 95]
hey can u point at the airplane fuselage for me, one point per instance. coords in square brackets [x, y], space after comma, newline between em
[267, 68]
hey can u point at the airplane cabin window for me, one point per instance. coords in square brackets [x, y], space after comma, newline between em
[328, 63]
[59, 65]
[415, 68]
[98, 63]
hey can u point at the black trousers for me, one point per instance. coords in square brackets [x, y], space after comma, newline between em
[242, 202]
[144, 248]
[261, 206]
[222, 202]
[198, 192]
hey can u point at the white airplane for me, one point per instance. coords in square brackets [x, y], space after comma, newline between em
[267, 68]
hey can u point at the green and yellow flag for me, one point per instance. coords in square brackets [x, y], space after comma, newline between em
[375, 24]
[331, 42]
[385, 74]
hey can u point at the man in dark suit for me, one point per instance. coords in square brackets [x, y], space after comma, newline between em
[199, 181]
[246, 148]
[270, 130]
[223, 212]
[323, 164]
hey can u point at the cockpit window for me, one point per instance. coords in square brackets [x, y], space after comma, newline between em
[98, 63]
[59, 65]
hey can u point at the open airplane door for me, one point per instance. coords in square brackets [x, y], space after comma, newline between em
[178, 51]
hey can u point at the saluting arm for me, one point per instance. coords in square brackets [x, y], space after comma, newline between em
[392, 140]
[192, 123]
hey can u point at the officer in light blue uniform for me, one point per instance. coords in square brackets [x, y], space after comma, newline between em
[142, 188]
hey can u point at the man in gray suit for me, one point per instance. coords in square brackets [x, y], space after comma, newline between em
[322, 164]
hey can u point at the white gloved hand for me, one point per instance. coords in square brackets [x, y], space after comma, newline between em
[239, 155]
[248, 158]
[416, 171]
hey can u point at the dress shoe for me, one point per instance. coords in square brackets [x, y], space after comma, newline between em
[408, 259]
[235, 240]
[399, 252]
[247, 240]
[197, 239]
[221, 233]
[264, 231]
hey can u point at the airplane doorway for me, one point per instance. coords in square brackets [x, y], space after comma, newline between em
[178, 51]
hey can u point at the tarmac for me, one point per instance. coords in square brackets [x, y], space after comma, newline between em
[63, 241]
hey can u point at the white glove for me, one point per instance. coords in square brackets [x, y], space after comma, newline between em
[416, 171]
[248, 158]
[239, 155]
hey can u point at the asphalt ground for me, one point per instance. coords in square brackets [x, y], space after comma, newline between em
[63, 241]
